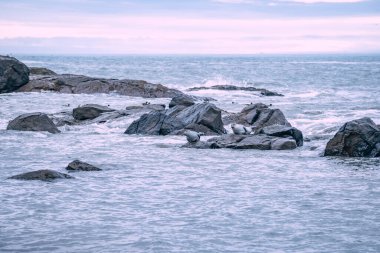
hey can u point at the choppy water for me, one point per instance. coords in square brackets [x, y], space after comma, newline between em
[156, 197]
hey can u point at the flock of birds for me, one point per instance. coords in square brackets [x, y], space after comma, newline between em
[238, 129]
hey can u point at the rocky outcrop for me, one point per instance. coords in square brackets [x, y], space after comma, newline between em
[203, 117]
[77, 84]
[183, 100]
[357, 138]
[263, 92]
[258, 116]
[77, 165]
[41, 71]
[33, 122]
[90, 111]
[13, 74]
[44, 175]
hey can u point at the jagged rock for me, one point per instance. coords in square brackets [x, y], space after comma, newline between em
[90, 111]
[183, 100]
[41, 71]
[44, 175]
[283, 131]
[13, 74]
[33, 122]
[204, 115]
[77, 165]
[77, 84]
[258, 116]
[263, 92]
[357, 138]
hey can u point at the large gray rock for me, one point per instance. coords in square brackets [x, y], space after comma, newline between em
[13, 74]
[41, 71]
[78, 84]
[77, 165]
[357, 138]
[33, 122]
[204, 117]
[90, 111]
[283, 131]
[44, 175]
[258, 116]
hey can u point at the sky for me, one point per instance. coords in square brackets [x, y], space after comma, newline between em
[189, 26]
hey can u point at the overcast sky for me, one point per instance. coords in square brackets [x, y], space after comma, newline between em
[189, 26]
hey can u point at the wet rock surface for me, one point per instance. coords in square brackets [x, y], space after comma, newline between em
[78, 165]
[33, 122]
[13, 74]
[43, 175]
[356, 138]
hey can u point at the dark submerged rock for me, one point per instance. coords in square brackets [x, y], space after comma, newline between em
[263, 92]
[77, 84]
[44, 175]
[77, 165]
[203, 117]
[13, 74]
[184, 100]
[90, 111]
[33, 122]
[357, 138]
[41, 71]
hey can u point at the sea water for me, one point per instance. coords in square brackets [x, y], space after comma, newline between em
[154, 196]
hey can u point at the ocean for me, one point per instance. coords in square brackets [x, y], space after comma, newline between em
[154, 196]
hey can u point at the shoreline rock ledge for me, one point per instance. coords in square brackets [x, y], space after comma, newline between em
[79, 84]
[356, 138]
